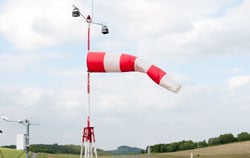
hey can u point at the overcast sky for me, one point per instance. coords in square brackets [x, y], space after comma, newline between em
[204, 45]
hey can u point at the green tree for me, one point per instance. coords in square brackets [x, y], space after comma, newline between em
[213, 141]
[243, 136]
[156, 148]
[202, 144]
[163, 148]
[226, 138]
[185, 145]
[172, 147]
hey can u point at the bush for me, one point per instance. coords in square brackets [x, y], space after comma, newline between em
[243, 136]
[226, 138]
[213, 141]
[185, 145]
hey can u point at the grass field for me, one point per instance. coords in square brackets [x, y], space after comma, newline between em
[234, 150]
[10, 153]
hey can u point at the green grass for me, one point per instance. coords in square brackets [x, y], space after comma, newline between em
[61, 156]
[233, 150]
[42, 155]
[11, 153]
[204, 156]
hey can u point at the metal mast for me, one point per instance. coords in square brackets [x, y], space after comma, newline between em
[88, 137]
[27, 124]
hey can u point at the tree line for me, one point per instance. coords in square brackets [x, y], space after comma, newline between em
[189, 144]
[55, 148]
[158, 148]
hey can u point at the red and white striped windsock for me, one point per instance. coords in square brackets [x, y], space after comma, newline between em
[107, 62]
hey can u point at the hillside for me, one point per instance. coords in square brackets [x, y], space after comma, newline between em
[75, 149]
[234, 150]
[125, 150]
[227, 149]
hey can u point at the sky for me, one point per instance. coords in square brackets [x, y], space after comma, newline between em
[204, 45]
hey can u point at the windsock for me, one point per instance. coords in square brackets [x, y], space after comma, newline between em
[107, 62]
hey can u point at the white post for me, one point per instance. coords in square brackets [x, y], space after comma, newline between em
[149, 151]
[191, 155]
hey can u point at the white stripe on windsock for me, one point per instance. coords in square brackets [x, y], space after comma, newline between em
[141, 66]
[112, 62]
[168, 82]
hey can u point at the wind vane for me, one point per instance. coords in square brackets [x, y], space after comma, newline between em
[107, 62]
[27, 123]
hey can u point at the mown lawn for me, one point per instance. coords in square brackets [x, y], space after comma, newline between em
[11, 153]
[233, 150]
[203, 156]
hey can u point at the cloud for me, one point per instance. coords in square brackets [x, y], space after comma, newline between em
[54, 109]
[238, 83]
[31, 25]
[149, 109]
[13, 62]
[141, 105]
[194, 32]
[156, 27]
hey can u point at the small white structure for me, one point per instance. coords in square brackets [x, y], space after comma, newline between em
[191, 155]
[20, 141]
[149, 151]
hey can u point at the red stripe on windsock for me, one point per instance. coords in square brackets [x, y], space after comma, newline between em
[155, 73]
[127, 63]
[95, 61]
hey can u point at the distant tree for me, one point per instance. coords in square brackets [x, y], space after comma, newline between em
[55, 148]
[226, 138]
[201, 144]
[243, 136]
[172, 147]
[185, 145]
[163, 148]
[213, 141]
[189, 144]
[10, 146]
[156, 148]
